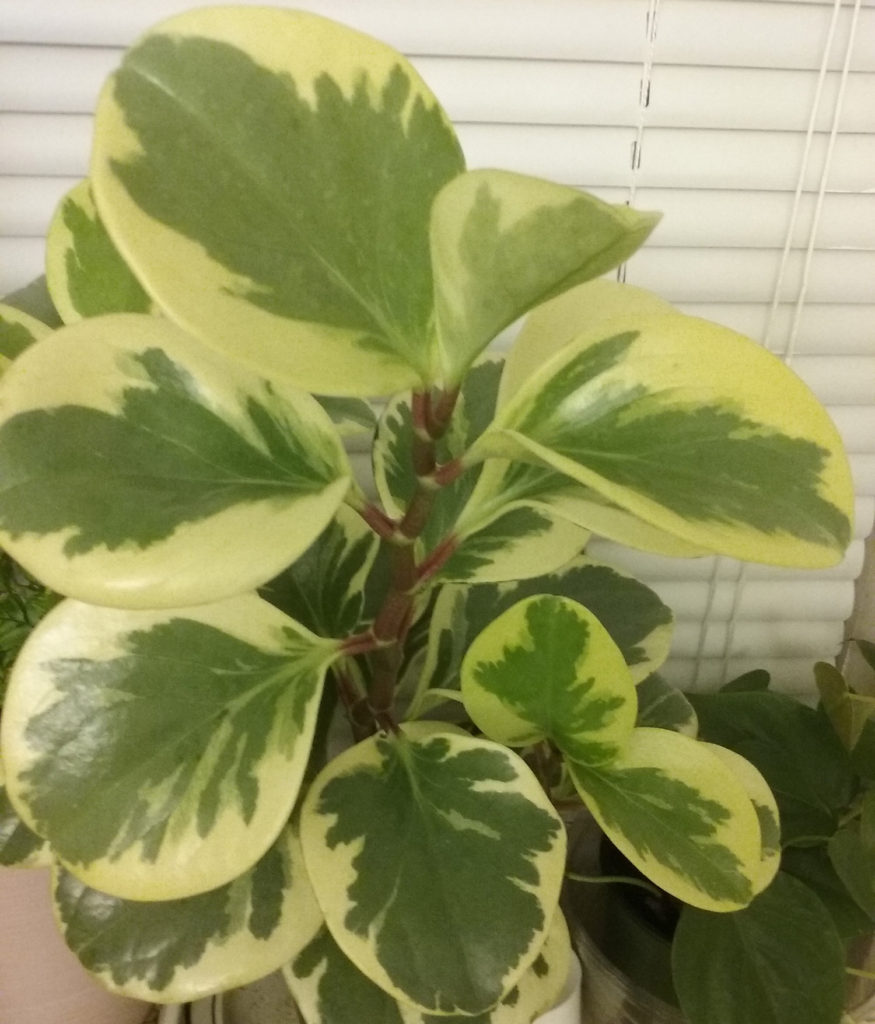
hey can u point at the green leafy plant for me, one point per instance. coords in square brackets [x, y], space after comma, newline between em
[803, 948]
[284, 719]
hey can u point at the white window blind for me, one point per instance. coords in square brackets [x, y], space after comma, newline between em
[750, 123]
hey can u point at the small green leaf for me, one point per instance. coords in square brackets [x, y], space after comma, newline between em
[680, 815]
[85, 273]
[502, 243]
[269, 176]
[778, 961]
[547, 669]
[693, 429]
[126, 469]
[637, 620]
[663, 706]
[847, 711]
[795, 750]
[437, 861]
[867, 649]
[756, 680]
[350, 416]
[34, 299]
[18, 331]
[161, 752]
[180, 950]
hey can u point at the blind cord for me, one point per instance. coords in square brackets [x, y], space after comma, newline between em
[789, 350]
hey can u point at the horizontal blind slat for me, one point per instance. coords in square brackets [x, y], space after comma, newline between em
[785, 639]
[748, 34]
[758, 600]
[67, 79]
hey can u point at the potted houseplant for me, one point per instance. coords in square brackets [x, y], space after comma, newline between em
[803, 948]
[278, 209]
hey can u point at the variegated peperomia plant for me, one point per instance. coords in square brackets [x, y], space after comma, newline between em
[278, 208]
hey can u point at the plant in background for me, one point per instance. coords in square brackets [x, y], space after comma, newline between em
[279, 226]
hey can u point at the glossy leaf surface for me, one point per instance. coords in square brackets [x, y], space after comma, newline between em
[502, 243]
[693, 429]
[130, 455]
[680, 815]
[778, 961]
[330, 989]
[548, 669]
[269, 176]
[161, 752]
[85, 273]
[184, 949]
[637, 620]
[437, 860]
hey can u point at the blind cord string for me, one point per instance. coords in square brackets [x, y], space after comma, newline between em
[789, 348]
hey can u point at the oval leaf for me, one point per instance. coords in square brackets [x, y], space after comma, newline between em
[694, 429]
[85, 273]
[680, 815]
[663, 706]
[19, 845]
[637, 620]
[269, 176]
[548, 669]
[437, 861]
[766, 809]
[161, 752]
[130, 455]
[178, 950]
[778, 961]
[502, 242]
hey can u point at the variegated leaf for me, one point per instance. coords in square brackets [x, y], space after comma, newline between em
[551, 493]
[692, 428]
[324, 589]
[547, 669]
[637, 620]
[85, 273]
[130, 456]
[330, 989]
[34, 300]
[178, 950]
[551, 326]
[663, 706]
[502, 243]
[18, 331]
[680, 815]
[766, 808]
[350, 416]
[19, 845]
[161, 752]
[269, 176]
[492, 538]
[437, 861]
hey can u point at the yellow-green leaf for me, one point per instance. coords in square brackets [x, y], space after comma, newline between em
[682, 817]
[130, 455]
[502, 243]
[548, 669]
[160, 753]
[269, 175]
[693, 429]
[437, 860]
[171, 951]
[85, 274]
